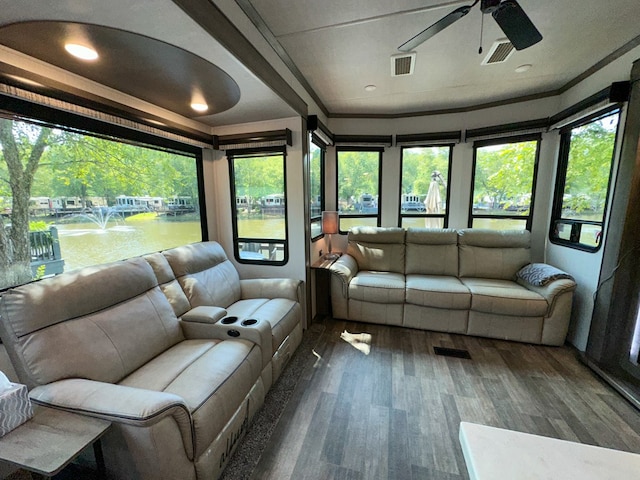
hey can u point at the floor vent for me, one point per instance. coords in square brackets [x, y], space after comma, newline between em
[500, 51]
[402, 64]
[452, 352]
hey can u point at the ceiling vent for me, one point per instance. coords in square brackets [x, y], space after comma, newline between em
[403, 64]
[500, 51]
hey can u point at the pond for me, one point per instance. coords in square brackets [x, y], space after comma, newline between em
[84, 244]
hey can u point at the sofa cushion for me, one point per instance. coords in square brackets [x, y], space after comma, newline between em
[504, 297]
[378, 287]
[212, 376]
[493, 254]
[281, 313]
[437, 291]
[79, 324]
[432, 251]
[205, 273]
[377, 249]
[168, 283]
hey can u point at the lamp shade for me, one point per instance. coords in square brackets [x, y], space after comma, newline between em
[330, 222]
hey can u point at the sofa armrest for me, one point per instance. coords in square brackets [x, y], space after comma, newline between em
[117, 403]
[551, 290]
[272, 288]
[345, 268]
[204, 314]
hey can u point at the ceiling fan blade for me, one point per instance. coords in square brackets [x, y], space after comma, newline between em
[440, 25]
[516, 25]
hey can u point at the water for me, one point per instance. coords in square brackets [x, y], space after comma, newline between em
[84, 244]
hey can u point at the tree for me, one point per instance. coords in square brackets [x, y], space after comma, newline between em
[23, 146]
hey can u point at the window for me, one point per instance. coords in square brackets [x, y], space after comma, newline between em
[503, 187]
[316, 187]
[359, 186]
[582, 184]
[78, 199]
[259, 202]
[424, 186]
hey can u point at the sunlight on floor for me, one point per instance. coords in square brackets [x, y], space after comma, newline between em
[359, 341]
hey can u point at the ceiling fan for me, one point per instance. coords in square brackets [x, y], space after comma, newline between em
[508, 14]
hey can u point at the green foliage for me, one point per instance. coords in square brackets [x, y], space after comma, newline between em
[358, 173]
[504, 175]
[589, 165]
[38, 226]
[417, 166]
[258, 177]
[40, 271]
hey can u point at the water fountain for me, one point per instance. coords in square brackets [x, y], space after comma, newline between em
[101, 216]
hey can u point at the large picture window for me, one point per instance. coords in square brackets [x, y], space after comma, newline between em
[582, 183]
[503, 188]
[359, 186]
[424, 186]
[71, 200]
[258, 190]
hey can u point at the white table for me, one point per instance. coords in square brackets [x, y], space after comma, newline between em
[494, 454]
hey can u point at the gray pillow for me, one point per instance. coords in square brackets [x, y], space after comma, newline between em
[539, 274]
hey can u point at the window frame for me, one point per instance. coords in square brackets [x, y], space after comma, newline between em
[561, 177]
[257, 152]
[315, 140]
[380, 151]
[42, 115]
[537, 137]
[444, 216]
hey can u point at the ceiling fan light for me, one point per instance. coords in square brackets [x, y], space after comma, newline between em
[523, 68]
[81, 51]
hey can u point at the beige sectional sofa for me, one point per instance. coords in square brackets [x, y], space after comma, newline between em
[476, 282]
[173, 348]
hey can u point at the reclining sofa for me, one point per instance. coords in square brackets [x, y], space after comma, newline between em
[173, 348]
[475, 282]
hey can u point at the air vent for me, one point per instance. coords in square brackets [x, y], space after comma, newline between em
[402, 64]
[500, 51]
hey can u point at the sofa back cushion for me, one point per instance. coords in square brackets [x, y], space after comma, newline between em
[493, 253]
[100, 323]
[432, 251]
[168, 282]
[206, 275]
[378, 249]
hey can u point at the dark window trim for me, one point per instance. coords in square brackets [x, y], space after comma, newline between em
[424, 139]
[444, 216]
[558, 193]
[537, 137]
[258, 152]
[517, 129]
[323, 153]
[380, 151]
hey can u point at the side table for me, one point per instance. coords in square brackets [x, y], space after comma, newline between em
[51, 440]
[323, 284]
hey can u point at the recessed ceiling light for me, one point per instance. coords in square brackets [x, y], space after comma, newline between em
[523, 68]
[370, 88]
[81, 51]
[200, 106]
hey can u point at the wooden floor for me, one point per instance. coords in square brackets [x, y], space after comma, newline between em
[389, 408]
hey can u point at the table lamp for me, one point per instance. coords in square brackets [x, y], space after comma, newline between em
[330, 222]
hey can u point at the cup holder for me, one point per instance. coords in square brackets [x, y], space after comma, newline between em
[248, 322]
[229, 320]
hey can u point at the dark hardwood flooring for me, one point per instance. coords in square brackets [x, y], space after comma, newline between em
[394, 413]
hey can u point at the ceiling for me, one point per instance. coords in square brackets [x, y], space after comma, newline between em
[161, 51]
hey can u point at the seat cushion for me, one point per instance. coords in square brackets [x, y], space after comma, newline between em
[281, 313]
[437, 291]
[378, 287]
[505, 298]
[212, 376]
